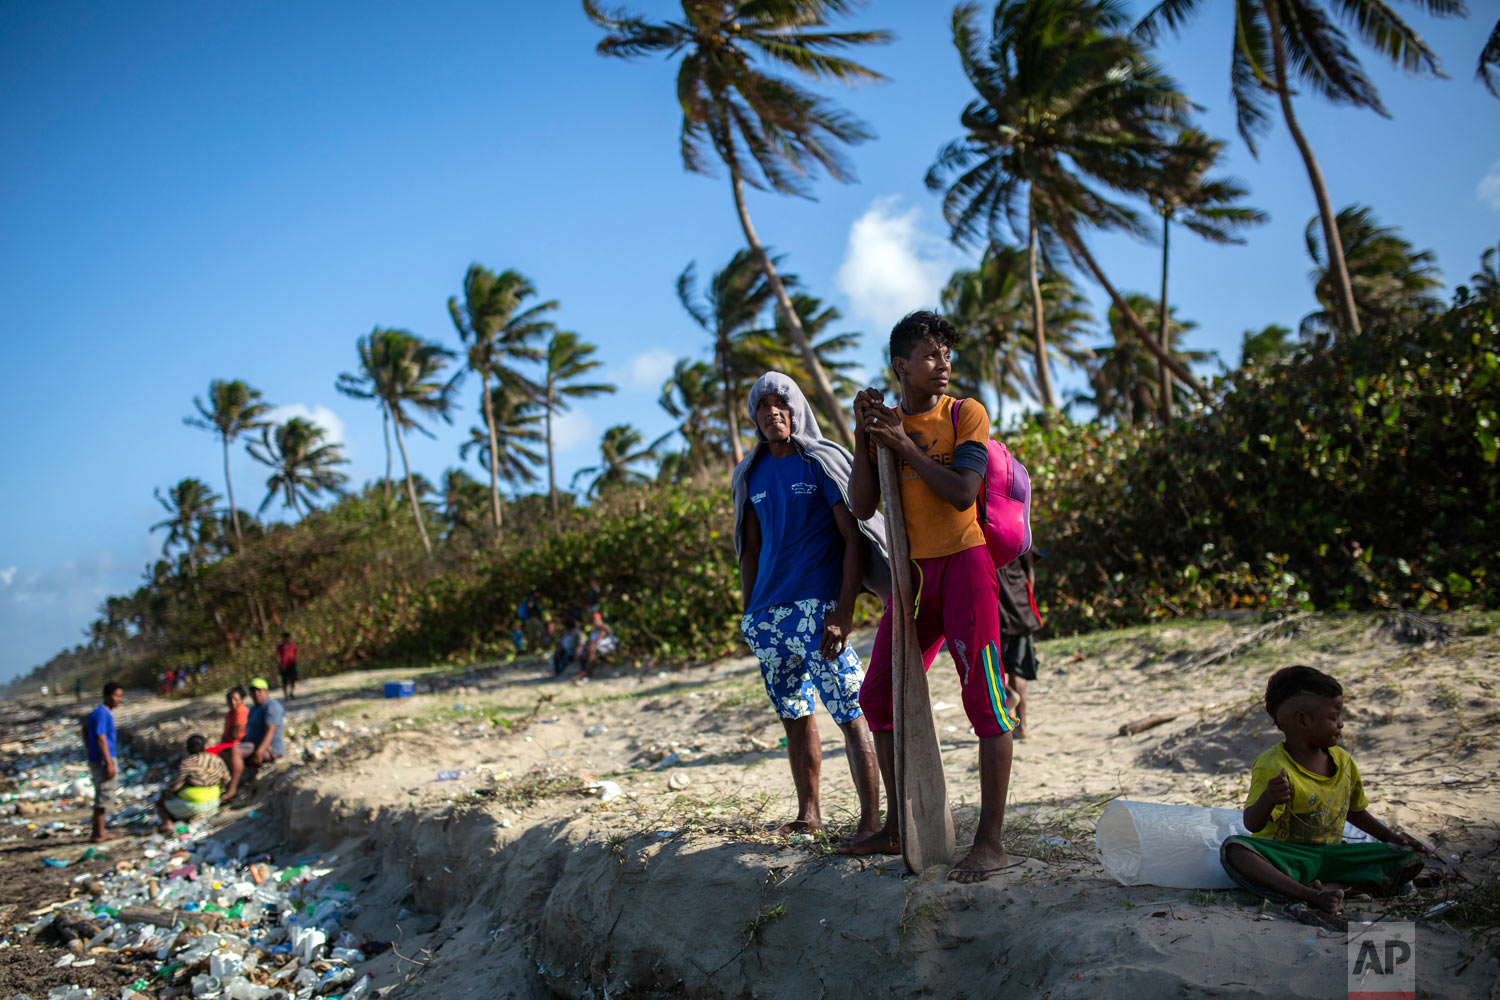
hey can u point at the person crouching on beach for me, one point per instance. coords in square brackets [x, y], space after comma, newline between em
[941, 457]
[803, 561]
[1301, 792]
[194, 789]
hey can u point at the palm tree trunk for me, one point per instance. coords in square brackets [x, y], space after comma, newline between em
[731, 416]
[489, 423]
[385, 425]
[1080, 251]
[551, 463]
[1164, 377]
[1038, 327]
[1334, 246]
[826, 399]
[234, 514]
[411, 493]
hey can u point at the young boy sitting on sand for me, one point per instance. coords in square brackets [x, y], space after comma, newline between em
[1301, 792]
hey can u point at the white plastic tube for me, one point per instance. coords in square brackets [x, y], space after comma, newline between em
[1147, 843]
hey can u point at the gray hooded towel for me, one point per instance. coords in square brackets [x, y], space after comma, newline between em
[833, 457]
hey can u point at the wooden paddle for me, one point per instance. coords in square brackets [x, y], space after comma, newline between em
[921, 804]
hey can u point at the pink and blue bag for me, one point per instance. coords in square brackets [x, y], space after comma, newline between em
[1004, 502]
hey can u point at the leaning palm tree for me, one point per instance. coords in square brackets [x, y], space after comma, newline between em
[496, 330]
[729, 311]
[1392, 282]
[302, 464]
[991, 306]
[233, 408]
[190, 524]
[1276, 38]
[768, 131]
[512, 431]
[1122, 375]
[620, 452]
[401, 372]
[691, 397]
[1485, 282]
[1065, 105]
[567, 358]
[1181, 190]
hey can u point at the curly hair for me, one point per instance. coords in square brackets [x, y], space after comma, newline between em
[1288, 682]
[921, 325]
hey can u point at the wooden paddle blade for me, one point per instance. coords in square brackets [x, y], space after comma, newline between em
[921, 805]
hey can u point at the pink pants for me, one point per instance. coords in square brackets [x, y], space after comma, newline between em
[958, 599]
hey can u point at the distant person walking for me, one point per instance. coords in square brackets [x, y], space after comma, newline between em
[286, 663]
[78, 688]
[99, 746]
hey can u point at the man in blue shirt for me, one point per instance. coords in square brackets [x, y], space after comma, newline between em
[803, 560]
[262, 743]
[99, 746]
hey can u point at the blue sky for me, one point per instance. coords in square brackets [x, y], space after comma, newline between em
[236, 190]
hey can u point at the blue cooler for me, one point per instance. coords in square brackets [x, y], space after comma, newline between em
[399, 689]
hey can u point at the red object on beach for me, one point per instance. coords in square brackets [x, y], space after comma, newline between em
[219, 748]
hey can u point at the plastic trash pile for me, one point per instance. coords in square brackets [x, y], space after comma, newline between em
[215, 922]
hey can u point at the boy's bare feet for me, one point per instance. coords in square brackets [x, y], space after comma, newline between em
[1327, 900]
[979, 864]
[100, 838]
[799, 826]
[882, 841]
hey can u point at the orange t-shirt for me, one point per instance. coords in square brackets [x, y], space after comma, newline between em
[234, 723]
[933, 527]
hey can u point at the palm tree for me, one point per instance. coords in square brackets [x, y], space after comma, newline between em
[768, 131]
[567, 358]
[1270, 34]
[1180, 189]
[495, 330]
[619, 451]
[302, 464]
[691, 396]
[832, 353]
[1123, 375]
[1488, 71]
[233, 408]
[512, 431]
[401, 372]
[991, 306]
[1064, 100]
[1485, 282]
[463, 498]
[1267, 344]
[730, 311]
[1392, 282]
[190, 524]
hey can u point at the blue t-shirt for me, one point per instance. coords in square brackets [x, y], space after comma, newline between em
[100, 720]
[801, 550]
[269, 714]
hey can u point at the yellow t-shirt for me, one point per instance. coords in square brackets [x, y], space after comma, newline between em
[933, 527]
[1319, 805]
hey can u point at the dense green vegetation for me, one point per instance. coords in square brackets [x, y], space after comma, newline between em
[1351, 465]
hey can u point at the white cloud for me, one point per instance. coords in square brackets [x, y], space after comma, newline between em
[571, 429]
[1489, 187]
[319, 414]
[891, 266]
[6, 575]
[646, 370]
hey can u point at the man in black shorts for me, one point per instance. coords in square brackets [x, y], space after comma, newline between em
[286, 662]
[1019, 621]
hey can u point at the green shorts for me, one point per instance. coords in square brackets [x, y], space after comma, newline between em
[1378, 867]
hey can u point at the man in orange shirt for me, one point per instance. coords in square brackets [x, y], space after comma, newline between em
[941, 451]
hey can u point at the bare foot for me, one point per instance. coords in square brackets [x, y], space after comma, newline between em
[1327, 900]
[980, 863]
[101, 838]
[164, 828]
[799, 826]
[880, 842]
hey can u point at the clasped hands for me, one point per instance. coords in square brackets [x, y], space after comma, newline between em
[872, 417]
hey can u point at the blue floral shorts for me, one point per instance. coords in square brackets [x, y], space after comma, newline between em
[785, 639]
